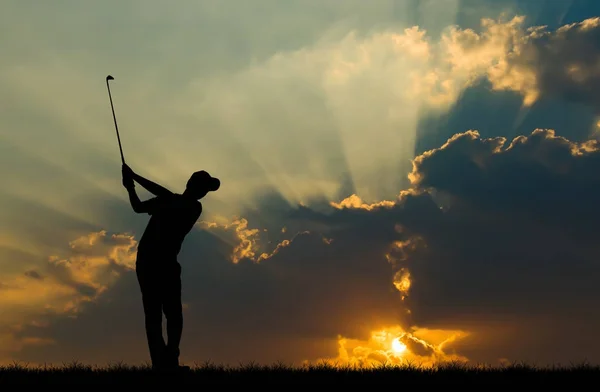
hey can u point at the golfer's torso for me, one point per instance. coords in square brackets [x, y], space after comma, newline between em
[166, 230]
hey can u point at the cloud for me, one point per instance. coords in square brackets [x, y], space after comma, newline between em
[334, 105]
[496, 240]
[537, 176]
[314, 98]
[34, 275]
[510, 243]
[247, 243]
[393, 346]
[291, 304]
[95, 262]
[61, 286]
[294, 117]
[535, 62]
[561, 63]
[490, 254]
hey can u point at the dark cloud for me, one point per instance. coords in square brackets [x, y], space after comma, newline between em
[566, 61]
[542, 177]
[500, 113]
[291, 306]
[417, 346]
[497, 236]
[553, 63]
[554, 70]
[502, 247]
[514, 246]
[34, 274]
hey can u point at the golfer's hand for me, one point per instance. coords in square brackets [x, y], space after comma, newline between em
[127, 170]
[128, 182]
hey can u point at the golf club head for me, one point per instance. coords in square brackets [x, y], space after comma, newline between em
[109, 78]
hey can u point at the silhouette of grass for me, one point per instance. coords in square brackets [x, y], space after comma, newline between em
[279, 373]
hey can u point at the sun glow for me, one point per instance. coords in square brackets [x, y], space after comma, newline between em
[398, 346]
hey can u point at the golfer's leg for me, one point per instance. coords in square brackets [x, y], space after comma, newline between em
[153, 318]
[173, 313]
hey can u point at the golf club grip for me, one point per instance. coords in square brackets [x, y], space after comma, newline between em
[115, 120]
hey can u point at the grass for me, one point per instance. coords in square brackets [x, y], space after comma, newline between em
[321, 374]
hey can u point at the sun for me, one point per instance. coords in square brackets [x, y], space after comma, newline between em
[398, 346]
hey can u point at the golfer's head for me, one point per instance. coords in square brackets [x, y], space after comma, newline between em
[200, 183]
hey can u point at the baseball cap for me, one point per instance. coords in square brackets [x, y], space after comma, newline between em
[203, 179]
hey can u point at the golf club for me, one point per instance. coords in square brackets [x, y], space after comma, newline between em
[114, 117]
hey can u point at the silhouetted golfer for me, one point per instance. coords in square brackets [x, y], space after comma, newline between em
[158, 270]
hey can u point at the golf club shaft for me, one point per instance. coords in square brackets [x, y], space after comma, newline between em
[115, 119]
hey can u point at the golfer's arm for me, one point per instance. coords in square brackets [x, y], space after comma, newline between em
[135, 201]
[151, 187]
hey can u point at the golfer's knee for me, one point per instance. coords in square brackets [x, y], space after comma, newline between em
[174, 314]
[153, 320]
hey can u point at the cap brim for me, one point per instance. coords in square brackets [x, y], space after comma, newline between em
[214, 184]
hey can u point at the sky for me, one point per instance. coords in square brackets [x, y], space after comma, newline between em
[401, 180]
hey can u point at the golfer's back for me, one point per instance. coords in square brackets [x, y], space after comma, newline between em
[172, 218]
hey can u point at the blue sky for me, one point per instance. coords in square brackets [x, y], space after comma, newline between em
[312, 114]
